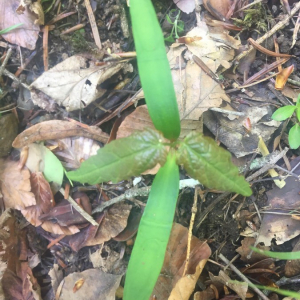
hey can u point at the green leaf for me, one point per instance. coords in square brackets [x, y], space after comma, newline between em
[123, 158]
[53, 169]
[298, 113]
[204, 160]
[180, 26]
[8, 29]
[169, 20]
[294, 136]
[298, 101]
[279, 255]
[283, 113]
[291, 294]
[170, 39]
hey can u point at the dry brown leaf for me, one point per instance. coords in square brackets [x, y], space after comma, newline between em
[40, 187]
[240, 288]
[57, 129]
[72, 84]
[27, 34]
[35, 7]
[291, 93]
[174, 263]
[245, 250]
[15, 185]
[72, 152]
[196, 92]
[292, 267]
[111, 224]
[140, 119]
[282, 228]
[8, 132]
[282, 77]
[105, 288]
[218, 8]
[58, 229]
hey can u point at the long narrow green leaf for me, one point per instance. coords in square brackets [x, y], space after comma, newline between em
[279, 255]
[204, 160]
[123, 158]
[6, 30]
[294, 295]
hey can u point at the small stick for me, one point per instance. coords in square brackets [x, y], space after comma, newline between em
[243, 277]
[93, 23]
[188, 251]
[80, 210]
[5, 61]
[228, 112]
[45, 47]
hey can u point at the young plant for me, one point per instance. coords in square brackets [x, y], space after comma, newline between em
[178, 25]
[202, 158]
[286, 112]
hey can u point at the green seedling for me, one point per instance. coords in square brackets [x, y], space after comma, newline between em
[178, 25]
[286, 112]
[202, 158]
[8, 29]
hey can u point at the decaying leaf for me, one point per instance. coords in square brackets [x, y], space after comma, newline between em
[27, 34]
[282, 228]
[292, 267]
[112, 223]
[72, 152]
[72, 84]
[240, 288]
[105, 288]
[57, 129]
[140, 119]
[35, 7]
[218, 8]
[282, 77]
[196, 92]
[8, 132]
[44, 199]
[15, 185]
[174, 264]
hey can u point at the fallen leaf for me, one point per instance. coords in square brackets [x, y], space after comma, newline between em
[27, 34]
[292, 267]
[174, 264]
[44, 199]
[282, 77]
[8, 132]
[35, 7]
[15, 185]
[245, 250]
[240, 288]
[282, 228]
[72, 152]
[111, 224]
[218, 8]
[57, 129]
[72, 84]
[187, 6]
[196, 92]
[140, 119]
[97, 285]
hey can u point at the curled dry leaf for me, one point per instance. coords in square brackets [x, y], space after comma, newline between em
[27, 34]
[15, 185]
[282, 77]
[111, 224]
[44, 199]
[72, 152]
[56, 129]
[218, 8]
[72, 84]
